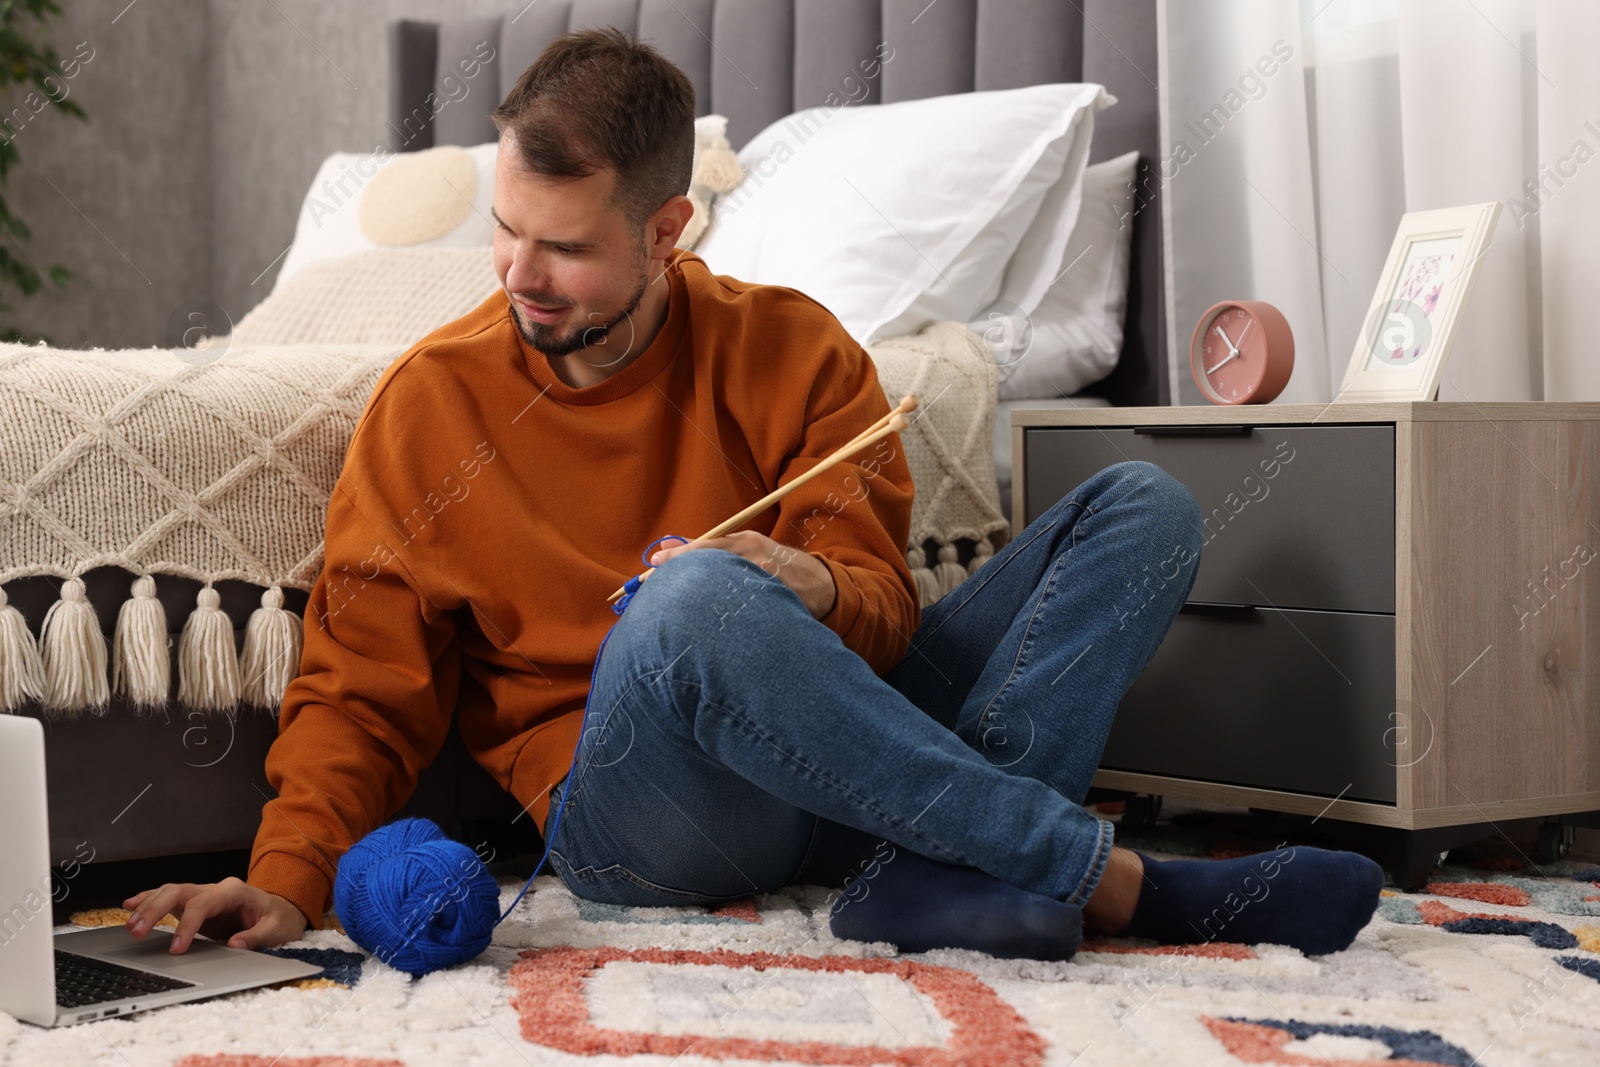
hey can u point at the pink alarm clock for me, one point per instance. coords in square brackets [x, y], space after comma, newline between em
[1242, 352]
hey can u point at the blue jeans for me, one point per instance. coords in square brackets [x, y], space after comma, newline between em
[735, 745]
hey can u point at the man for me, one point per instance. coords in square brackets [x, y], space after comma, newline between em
[771, 699]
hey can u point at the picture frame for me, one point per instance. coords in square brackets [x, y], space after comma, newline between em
[1406, 334]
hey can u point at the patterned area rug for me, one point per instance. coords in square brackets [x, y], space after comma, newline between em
[1498, 963]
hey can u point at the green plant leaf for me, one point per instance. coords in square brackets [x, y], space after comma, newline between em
[28, 65]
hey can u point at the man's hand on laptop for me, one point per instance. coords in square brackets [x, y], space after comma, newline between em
[249, 917]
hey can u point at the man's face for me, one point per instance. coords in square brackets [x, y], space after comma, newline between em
[573, 268]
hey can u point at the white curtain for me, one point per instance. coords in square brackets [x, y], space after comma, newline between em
[1297, 132]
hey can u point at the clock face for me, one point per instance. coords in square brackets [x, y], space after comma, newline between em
[1242, 352]
[1232, 356]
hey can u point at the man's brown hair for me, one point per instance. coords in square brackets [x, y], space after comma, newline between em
[601, 99]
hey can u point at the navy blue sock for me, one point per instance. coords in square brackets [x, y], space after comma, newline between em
[1309, 898]
[918, 904]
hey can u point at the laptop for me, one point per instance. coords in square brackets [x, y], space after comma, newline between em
[61, 979]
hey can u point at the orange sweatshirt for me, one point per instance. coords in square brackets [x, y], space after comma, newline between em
[486, 510]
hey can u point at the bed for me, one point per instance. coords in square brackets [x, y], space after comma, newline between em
[162, 763]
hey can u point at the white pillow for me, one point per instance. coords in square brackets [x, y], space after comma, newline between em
[435, 198]
[897, 215]
[1074, 336]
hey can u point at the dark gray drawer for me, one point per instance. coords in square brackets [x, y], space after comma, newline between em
[1296, 516]
[1293, 700]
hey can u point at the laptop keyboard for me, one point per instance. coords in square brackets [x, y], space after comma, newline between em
[81, 981]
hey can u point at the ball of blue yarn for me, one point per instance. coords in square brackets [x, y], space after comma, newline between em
[415, 899]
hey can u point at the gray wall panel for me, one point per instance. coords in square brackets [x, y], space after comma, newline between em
[681, 31]
[835, 52]
[1119, 52]
[934, 48]
[1027, 42]
[591, 14]
[467, 63]
[413, 59]
[757, 89]
[525, 34]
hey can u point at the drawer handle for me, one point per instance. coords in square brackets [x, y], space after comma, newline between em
[1206, 608]
[1194, 431]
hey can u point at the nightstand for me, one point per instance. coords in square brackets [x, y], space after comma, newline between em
[1394, 625]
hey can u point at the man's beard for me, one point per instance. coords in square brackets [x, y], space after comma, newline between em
[546, 338]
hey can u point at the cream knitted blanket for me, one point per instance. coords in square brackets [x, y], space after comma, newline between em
[949, 446]
[142, 460]
[223, 469]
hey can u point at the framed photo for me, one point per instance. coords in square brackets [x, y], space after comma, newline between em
[1400, 352]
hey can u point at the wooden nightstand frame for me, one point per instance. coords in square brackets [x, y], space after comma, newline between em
[1496, 506]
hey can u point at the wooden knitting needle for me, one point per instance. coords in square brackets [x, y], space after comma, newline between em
[907, 405]
[893, 422]
[878, 430]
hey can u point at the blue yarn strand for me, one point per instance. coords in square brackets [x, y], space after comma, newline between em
[419, 901]
[630, 587]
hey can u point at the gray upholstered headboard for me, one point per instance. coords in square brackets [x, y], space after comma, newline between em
[756, 61]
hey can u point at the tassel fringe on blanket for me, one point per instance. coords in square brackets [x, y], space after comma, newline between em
[935, 582]
[68, 669]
